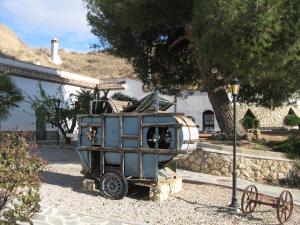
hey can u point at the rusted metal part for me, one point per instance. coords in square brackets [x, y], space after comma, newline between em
[129, 137]
[139, 149]
[122, 157]
[132, 150]
[283, 204]
[168, 125]
[177, 138]
[102, 163]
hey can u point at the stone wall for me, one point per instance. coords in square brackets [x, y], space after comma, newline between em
[268, 118]
[250, 167]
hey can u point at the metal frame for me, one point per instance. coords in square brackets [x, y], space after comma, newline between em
[139, 150]
[283, 204]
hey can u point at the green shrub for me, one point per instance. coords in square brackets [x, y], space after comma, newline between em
[20, 172]
[291, 147]
[250, 122]
[291, 120]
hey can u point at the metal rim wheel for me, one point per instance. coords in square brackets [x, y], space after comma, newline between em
[249, 199]
[113, 185]
[284, 206]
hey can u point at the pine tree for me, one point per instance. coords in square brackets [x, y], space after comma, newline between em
[203, 44]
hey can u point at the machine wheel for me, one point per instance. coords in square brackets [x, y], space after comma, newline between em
[113, 185]
[249, 199]
[284, 206]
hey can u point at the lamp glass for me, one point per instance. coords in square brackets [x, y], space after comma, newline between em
[235, 89]
[235, 86]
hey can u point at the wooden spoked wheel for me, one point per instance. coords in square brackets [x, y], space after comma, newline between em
[249, 199]
[284, 206]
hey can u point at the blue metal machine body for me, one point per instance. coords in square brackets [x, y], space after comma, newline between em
[127, 141]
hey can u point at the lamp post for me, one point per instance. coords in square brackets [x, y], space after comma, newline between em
[234, 84]
[58, 118]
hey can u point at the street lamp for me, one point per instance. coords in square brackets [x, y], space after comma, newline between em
[234, 88]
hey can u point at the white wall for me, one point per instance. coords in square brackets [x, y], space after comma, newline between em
[23, 117]
[193, 105]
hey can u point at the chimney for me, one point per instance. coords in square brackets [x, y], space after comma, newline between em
[54, 52]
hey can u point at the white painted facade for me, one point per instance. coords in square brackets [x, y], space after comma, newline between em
[194, 105]
[23, 117]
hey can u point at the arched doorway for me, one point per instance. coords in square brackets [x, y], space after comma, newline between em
[208, 121]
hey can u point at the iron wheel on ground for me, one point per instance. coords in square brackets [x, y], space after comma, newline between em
[113, 185]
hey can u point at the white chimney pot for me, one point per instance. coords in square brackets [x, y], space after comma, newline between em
[54, 52]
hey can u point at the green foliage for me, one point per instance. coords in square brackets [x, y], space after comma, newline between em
[59, 112]
[83, 97]
[142, 32]
[291, 147]
[250, 122]
[181, 41]
[291, 120]
[258, 40]
[20, 173]
[10, 95]
[122, 97]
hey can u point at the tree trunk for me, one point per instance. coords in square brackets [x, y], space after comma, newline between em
[224, 112]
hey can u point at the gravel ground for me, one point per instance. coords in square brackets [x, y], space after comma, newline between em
[195, 204]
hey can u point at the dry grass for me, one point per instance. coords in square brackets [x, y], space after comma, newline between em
[94, 64]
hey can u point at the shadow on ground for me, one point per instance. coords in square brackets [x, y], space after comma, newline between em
[228, 213]
[56, 155]
[74, 182]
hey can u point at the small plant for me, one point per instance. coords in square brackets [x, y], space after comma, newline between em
[20, 173]
[291, 147]
[291, 120]
[250, 122]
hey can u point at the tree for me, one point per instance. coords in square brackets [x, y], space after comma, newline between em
[83, 98]
[202, 44]
[10, 95]
[58, 111]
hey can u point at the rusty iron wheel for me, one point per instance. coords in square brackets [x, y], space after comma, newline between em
[249, 199]
[284, 206]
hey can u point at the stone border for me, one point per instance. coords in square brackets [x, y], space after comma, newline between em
[249, 166]
[246, 152]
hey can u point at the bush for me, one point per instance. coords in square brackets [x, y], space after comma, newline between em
[291, 147]
[20, 172]
[250, 122]
[291, 120]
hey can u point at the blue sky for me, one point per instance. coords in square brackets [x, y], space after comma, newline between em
[37, 21]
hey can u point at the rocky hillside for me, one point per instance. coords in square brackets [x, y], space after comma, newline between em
[94, 64]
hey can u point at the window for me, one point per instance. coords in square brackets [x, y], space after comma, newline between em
[208, 121]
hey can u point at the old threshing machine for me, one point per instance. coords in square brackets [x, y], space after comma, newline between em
[118, 146]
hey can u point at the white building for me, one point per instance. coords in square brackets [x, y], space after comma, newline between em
[26, 76]
[197, 105]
